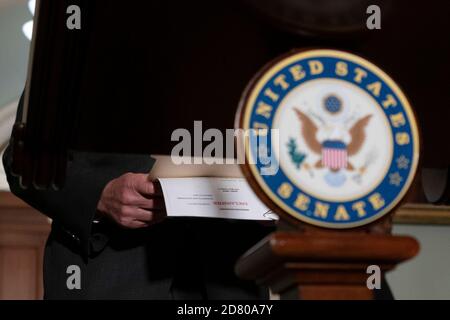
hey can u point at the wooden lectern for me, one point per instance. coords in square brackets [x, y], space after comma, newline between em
[335, 222]
[310, 263]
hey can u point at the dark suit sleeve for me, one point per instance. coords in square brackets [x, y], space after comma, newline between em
[73, 207]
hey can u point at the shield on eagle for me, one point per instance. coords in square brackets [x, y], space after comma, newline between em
[334, 155]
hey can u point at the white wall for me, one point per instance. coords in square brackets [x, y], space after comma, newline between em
[428, 275]
[14, 48]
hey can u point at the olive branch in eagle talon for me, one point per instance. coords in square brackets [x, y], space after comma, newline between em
[309, 132]
[296, 156]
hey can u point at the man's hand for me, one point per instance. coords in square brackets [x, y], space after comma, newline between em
[132, 201]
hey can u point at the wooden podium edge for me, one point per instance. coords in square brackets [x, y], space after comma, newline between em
[323, 266]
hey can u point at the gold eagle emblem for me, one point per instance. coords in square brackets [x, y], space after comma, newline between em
[309, 132]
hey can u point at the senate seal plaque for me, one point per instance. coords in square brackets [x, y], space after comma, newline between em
[341, 136]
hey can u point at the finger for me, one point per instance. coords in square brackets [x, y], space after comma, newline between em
[143, 185]
[158, 189]
[151, 204]
[138, 200]
[147, 188]
[142, 215]
[159, 217]
[135, 224]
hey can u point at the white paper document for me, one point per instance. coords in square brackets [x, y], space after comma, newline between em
[227, 198]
